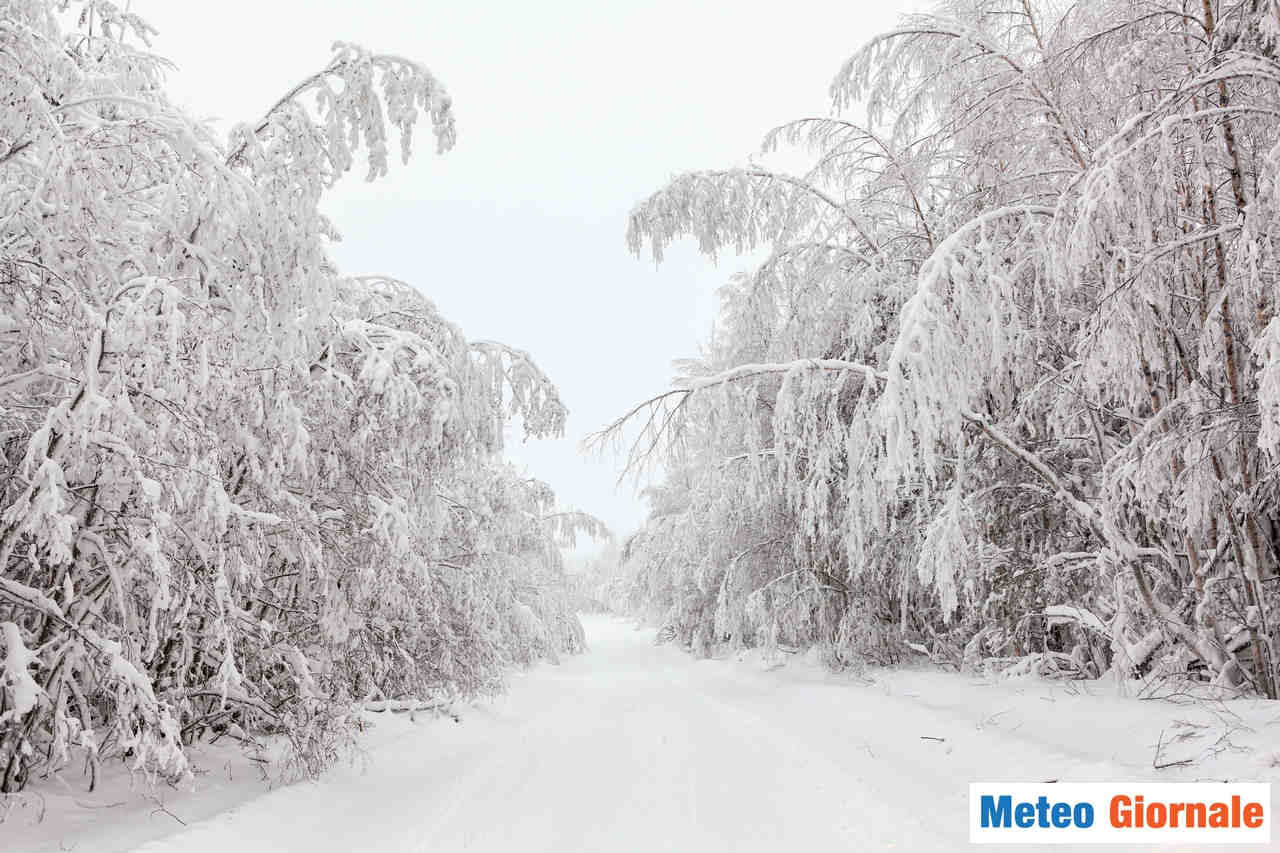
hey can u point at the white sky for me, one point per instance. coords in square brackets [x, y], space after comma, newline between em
[568, 113]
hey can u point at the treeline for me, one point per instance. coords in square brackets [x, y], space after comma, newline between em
[241, 491]
[1006, 390]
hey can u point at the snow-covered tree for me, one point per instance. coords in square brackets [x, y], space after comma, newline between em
[239, 488]
[1014, 343]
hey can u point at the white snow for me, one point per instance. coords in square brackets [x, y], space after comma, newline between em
[15, 674]
[1059, 612]
[640, 747]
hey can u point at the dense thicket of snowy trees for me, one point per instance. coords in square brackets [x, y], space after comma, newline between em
[240, 490]
[1012, 365]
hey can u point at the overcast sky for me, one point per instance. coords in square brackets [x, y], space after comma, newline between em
[568, 113]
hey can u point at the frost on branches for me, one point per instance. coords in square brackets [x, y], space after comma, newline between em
[240, 490]
[1006, 390]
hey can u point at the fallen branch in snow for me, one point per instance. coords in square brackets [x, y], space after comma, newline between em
[161, 808]
[1157, 764]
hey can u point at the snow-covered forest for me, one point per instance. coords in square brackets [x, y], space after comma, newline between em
[1005, 390]
[990, 415]
[243, 491]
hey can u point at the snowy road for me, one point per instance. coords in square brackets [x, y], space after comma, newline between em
[629, 747]
[636, 747]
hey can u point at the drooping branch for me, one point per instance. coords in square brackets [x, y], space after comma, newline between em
[742, 208]
[353, 112]
[661, 415]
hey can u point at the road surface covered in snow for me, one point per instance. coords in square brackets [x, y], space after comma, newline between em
[640, 747]
[629, 747]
